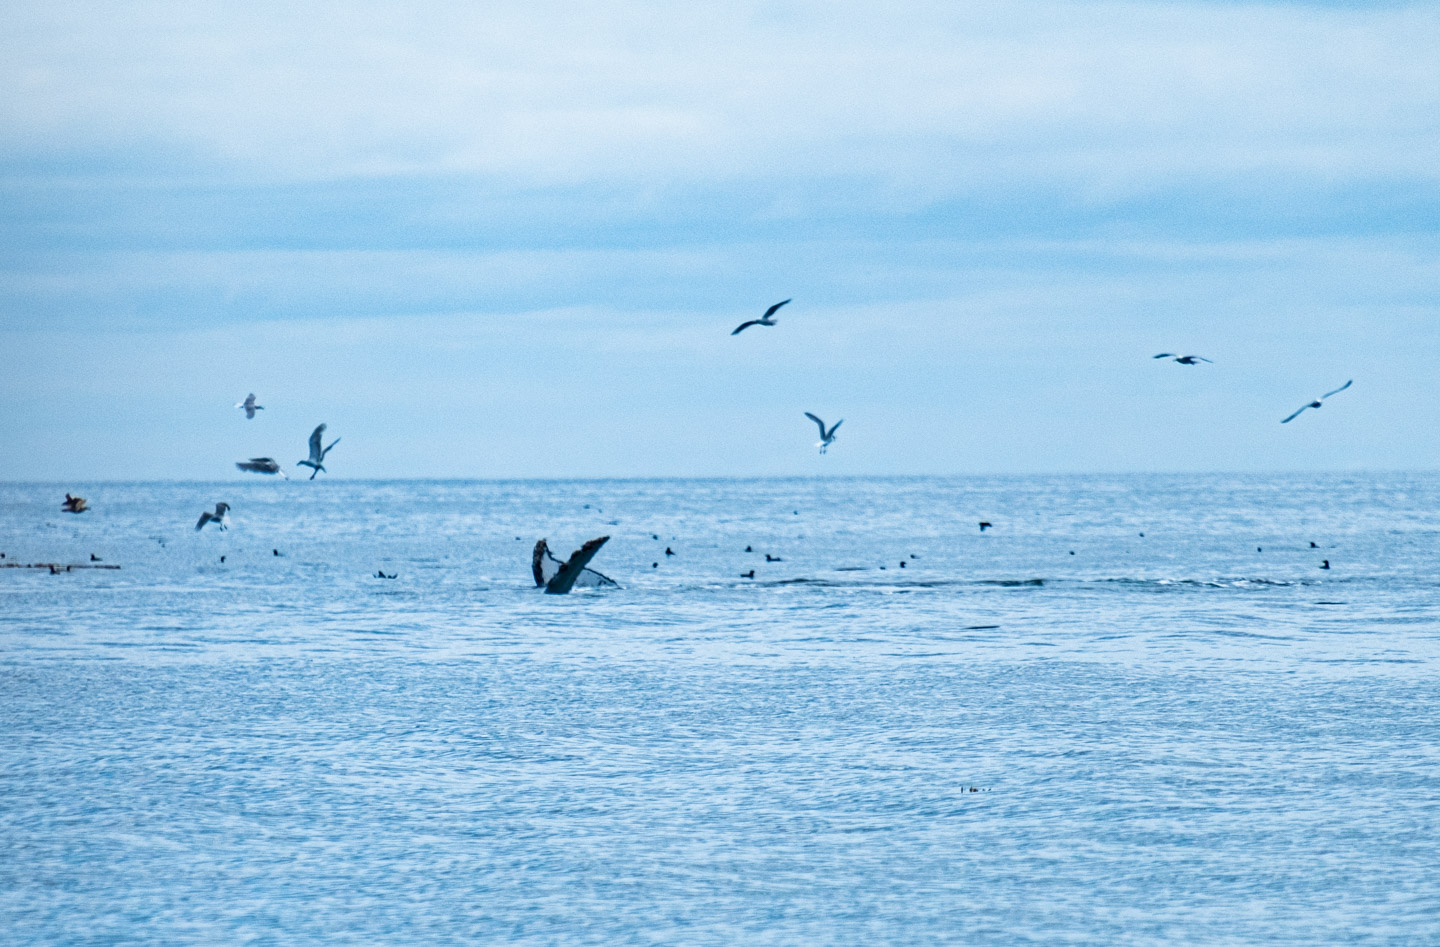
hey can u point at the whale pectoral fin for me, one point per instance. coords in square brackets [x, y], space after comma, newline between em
[565, 579]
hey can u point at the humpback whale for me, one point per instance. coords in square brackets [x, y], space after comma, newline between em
[559, 576]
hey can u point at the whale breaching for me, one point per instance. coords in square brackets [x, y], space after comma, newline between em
[826, 437]
[1185, 359]
[765, 320]
[1316, 402]
[317, 453]
[262, 465]
[250, 406]
[220, 517]
[559, 577]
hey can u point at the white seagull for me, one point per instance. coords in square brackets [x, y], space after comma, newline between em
[221, 516]
[317, 453]
[1316, 402]
[262, 465]
[250, 406]
[765, 320]
[1185, 359]
[826, 437]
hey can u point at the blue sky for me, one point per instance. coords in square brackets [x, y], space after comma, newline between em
[512, 239]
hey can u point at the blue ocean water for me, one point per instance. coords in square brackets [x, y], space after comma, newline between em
[1058, 730]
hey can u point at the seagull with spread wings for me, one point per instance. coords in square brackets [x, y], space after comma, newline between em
[221, 517]
[1185, 359]
[766, 320]
[1316, 402]
[250, 406]
[261, 465]
[826, 437]
[317, 453]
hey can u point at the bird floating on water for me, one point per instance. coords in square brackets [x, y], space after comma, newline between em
[766, 320]
[250, 406]
[74, 504]
[262, 465]
[985, 524]
[826, 437]
[317, 453]
[221, 517]
[1185, 359]
[1316, 402]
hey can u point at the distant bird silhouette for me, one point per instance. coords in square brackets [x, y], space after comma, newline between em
[1185, 359]
[902, 563]
[74, 504]
[765, 320]
[748, 549]
[262, 465]
[250, 406]
[222, 560]
[95, 558]
[770, 558]
[275, 552]
[317, 453]
[380, 574]
[1316, 402]
[221, 517]
[748, 575]
[826, 437]
[669, 551]
[984, 525]
[1312, 545]
[1325, 564]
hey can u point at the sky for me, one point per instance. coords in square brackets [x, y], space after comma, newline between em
[511, 239]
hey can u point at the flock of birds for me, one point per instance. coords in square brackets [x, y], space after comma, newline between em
[827, 434]
[555, 574]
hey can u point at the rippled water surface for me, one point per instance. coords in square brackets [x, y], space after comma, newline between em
[1059, 730]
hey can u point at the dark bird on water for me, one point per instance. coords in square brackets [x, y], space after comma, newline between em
[1313, 546]
[748, 575]
[1325, 564]
[985, 525]
[766, 320]
[826, 437]
[95, 558]
[1184, 359]
[317, 453]
[221, 517]
[274, 552]
[770, 558]
[669, 551]
[748, 549]
[74, 504]
[1316, 402]
[380, 574]
[261, 465]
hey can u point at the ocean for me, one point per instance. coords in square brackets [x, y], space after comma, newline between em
[1135, 710]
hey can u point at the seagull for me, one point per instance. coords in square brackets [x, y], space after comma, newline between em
[317, 454]
[250, 406]
[220, 516]
[765, 320]
[1316, 402]
[262, 465]
[826, 437]
[74, 504]
[1185, 359]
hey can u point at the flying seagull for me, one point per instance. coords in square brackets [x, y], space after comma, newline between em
[559, 577]
[74, 504]
[317, 454]
[221, 516]
[765, 320]
[262, 465]
[826, 437]
[250, 406]
[1185, 359]
[1316, 402]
